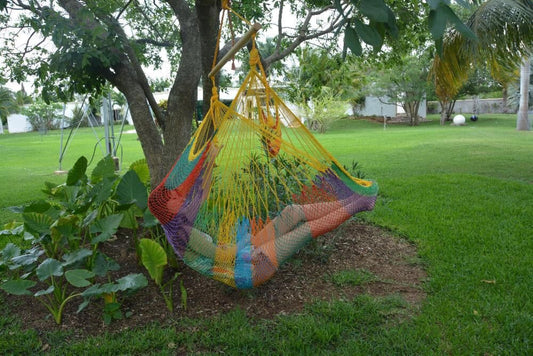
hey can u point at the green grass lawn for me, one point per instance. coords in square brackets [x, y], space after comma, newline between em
[463, 194]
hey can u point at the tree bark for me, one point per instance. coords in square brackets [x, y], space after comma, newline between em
[505, 98]
[522, 121]
[147, 131]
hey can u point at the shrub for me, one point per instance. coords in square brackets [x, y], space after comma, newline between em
[64, 259]
[323, 111]
[42, 116]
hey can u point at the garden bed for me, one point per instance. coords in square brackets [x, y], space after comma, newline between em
[351, 260]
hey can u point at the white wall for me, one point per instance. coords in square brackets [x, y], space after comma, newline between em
[18, 123]
[376, 107]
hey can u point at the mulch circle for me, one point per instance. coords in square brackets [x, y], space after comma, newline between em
[304, 279]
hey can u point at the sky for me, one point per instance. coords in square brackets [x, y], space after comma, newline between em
[270, 30]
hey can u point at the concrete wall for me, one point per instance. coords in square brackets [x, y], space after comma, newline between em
[375, 107]
[18, 123]
[484, 106]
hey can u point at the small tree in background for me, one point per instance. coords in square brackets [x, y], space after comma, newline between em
[404, 82]
[43, 116]
[323, 110]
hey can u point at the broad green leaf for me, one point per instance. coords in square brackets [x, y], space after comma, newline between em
[26, 259]
[76, 256]
[16, 209]
[132, 190]
[102, 191]
[106, 227]
[44, 291]
[104, 264]
[459, 25]
[433, 4]
[391, 24]
[89, 218]
[130, 219]
[38, 222]
[10, 250]
[105, 168]
[375, 10]
[97, 290]
[368, 34]
[77, 172]
[351, 40]
[39, 206]
[18, 286]
[149, 219]
[141, 168]
[78, 277]
[437, 20]
[132, 281]
[66, 226]
[83, 305]
[154, 259]
[48, 268]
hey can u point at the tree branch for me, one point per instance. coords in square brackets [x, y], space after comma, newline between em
[154, 42]
[303, 34]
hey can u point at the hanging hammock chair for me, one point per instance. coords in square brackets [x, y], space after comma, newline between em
[252, 187]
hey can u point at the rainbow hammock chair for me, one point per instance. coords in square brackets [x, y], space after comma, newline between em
[252, 187]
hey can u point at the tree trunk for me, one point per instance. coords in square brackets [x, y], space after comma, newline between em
[505, 98]
[208, 17]
[446, 110]
[147, 131]
[522, 122]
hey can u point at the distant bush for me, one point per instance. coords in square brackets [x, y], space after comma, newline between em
[42, 116]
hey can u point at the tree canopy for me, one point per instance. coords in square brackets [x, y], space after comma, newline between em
[74, 46]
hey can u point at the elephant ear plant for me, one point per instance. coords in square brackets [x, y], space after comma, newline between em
[58, 256]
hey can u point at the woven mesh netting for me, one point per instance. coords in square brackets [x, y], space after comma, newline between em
[252, 187]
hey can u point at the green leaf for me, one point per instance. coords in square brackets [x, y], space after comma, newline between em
[67, 226]
[433, 4]
[130, 219]
[106, 227]
[459, 25]
[40, 206]
[141, 168]
[38, 222]
[77, 172]
[375, 10]
[78, 277]
[132, 190]
[31, 256]
[18, 286]
[104, 264]
[76, 256]
[368, 34]
[149, 219]
[83, 305]
[45, 291]
[48, 268]
[132, 281]
[154, 259]
[10, 250]
[102, 191]
[89, 218]
[437, 20]
[351, 40]
[105, 168]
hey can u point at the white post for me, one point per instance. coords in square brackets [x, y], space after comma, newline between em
[522, 120]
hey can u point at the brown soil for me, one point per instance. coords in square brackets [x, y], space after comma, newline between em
[306, 278]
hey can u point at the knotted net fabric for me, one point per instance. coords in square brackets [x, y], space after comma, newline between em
[252, 187]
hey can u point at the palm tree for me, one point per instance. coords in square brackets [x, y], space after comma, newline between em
[7, 103]
[504, 36]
